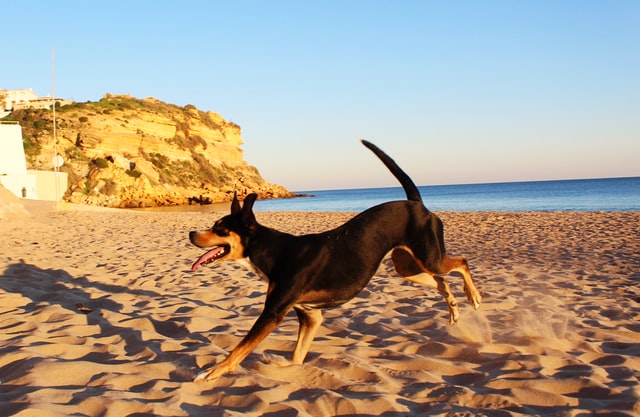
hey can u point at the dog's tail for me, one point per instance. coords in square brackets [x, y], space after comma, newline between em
[409, 187]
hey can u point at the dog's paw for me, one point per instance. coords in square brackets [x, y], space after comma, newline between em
[201, 377]
[474, 297]
[454, 313]
[208, 375]
[213, 373]
[477, 298]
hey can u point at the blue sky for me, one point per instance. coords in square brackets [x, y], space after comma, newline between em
[455, 91]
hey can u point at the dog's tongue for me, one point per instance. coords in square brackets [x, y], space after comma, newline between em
[208, 257]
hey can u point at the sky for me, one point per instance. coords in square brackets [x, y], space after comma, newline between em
[457, 92]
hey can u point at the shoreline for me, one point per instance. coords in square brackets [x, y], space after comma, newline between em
[38, 207]
[101, 315]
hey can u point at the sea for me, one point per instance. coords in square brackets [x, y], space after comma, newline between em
[606, 194]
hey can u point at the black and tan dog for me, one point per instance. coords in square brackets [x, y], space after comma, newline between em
[310, 272]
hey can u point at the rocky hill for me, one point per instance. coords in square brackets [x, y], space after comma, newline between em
[126, 152]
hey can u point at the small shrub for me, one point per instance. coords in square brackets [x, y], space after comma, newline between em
[158, 160]
[83, 119]
[31, 147]
[101, 163]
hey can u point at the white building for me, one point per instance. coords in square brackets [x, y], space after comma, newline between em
[14, 176]
[26, 99]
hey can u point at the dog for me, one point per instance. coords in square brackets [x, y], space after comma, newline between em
[311, 272]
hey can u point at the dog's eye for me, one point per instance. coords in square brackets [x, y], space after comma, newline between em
[220, 229]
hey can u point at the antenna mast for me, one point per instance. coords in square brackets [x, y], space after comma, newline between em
[55, 136]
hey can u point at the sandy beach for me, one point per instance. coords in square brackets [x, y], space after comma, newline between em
[100, 315]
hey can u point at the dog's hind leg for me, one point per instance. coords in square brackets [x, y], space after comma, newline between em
[310, 321]
[407, 266]
[460, 265]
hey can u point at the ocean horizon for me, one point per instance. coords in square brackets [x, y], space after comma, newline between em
[599, 194]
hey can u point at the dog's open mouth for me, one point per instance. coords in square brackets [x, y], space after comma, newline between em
[216, 253]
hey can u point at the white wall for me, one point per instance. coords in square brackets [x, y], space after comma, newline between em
[35, 185]
[45, 185]
[23, 185]
[12, 160]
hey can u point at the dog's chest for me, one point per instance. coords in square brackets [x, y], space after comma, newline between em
[246, 262]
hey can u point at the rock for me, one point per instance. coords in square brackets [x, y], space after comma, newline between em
[144, 153]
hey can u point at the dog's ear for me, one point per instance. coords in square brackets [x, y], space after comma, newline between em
[247, 206]
[247, 210]
[235, 204]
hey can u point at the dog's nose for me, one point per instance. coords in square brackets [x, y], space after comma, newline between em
[192, 235]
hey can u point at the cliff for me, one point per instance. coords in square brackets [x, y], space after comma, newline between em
[126, 152]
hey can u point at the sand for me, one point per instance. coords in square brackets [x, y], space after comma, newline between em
[100, 315]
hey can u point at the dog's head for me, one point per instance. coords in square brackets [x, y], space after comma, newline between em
[228, 237]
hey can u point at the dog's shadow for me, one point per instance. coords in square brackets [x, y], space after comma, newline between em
[44, 288]
[58, 287]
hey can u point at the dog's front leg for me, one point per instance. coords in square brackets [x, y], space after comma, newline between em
[265, 324]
